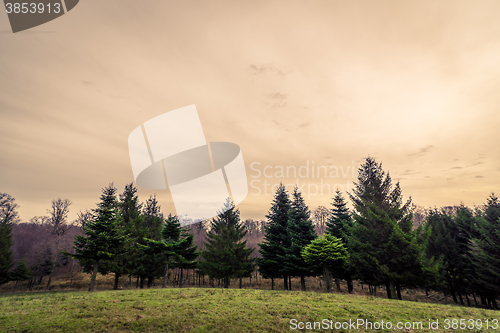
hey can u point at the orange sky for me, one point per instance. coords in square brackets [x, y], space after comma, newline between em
[293, 83]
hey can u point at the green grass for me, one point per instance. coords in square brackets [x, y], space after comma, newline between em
[211, 310]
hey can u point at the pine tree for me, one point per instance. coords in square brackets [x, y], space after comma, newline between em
[176, 244]
[339, 225]
[486, 252]
[132, 223]
[20, 273]
[6, 254]
[186, 253]
[467, 225]
[226, 255]
[276, 238]
[103, 238]
[383, 247]
[8, 216]
[327, 250]
[301, 232]
[150, 267]
[340, 220]
[442, 244]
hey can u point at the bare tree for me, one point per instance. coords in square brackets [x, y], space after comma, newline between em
[58, 222]
[320, 216]
[83, 217]
[40, 220]
[8, 209]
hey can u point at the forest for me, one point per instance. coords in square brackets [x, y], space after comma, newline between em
[383, 242]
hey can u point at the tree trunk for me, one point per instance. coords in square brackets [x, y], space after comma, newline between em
[241, 283]
[94, 275]
[48, 283]
[350, 286]
[326, 277]
[226, 282]
[117, 278]
[165, 275]
[398, 291]
[180, 279]
[141, 282]
[388, 289]
[452, 290]
[285, 282]
[272, 283]
[15, 285]
[289, 283]
[302, 283]
[337, 283]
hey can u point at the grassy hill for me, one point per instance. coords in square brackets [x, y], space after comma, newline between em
[219, 310]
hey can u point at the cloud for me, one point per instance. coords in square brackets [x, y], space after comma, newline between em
[278, 100]
[408, 172]
[277, 95]
[264, 69]
[423, 151]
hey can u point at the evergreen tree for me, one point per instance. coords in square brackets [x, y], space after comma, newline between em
[150, 266]
[132, 223]
[327, 250]
[467, 226]
[340, 221]
[8, 216]
[442, 245]
[383, 247]
[339, 225]
[276, 238]
[6, 254]
[176, 244]
[186, 253]
[103, 238]
[20, 273]
[301, 233]
[226, 255]
[486, 252]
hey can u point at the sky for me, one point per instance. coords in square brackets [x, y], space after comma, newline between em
[314, 84]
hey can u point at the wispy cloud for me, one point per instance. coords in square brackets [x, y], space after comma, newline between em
[423, 151]
[277, 99]
[265, 69]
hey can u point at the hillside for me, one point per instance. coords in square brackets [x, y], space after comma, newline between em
[230, 310]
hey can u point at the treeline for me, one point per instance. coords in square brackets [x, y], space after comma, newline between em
[383, 242]
[36, 245]
[455, 251]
